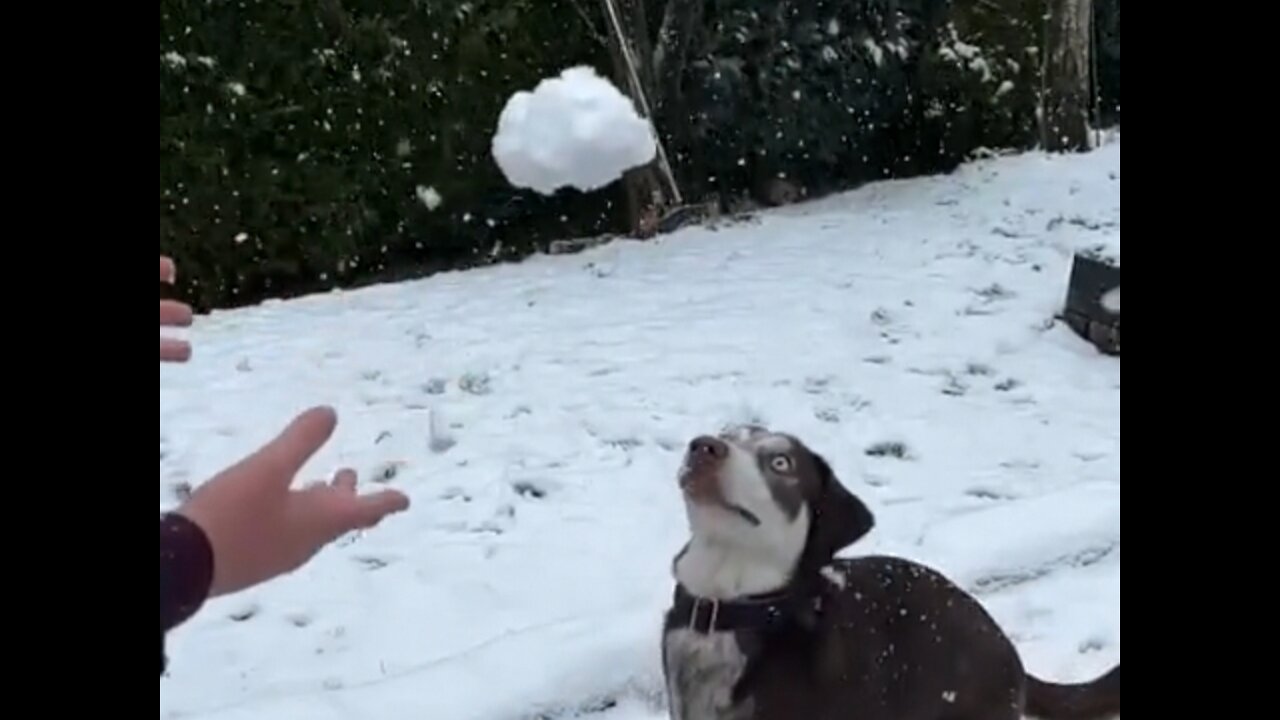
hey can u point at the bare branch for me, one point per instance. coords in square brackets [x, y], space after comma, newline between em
[662, 42]
[591, 26]
[681, 20]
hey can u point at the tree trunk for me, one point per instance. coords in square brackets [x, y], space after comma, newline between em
[1064, 125]
[643, 185]
[681, 21]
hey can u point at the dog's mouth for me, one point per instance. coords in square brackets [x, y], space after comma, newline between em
[700, 487]
[743, 513]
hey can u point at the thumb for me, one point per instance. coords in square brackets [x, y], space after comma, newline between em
[369, 510]
[283, 457]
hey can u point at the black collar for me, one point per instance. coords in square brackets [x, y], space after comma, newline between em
[705, 615]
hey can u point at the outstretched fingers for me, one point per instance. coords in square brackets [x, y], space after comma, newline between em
[370, 509]
[284, 456]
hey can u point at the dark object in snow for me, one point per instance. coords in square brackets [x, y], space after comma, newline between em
[892, 449]
[682, 215]
[1084, 312]
[524, 488]
[577, 245]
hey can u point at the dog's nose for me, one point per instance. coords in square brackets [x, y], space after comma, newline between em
[707, 446]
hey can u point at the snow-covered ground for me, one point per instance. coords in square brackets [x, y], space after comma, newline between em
[535, 414]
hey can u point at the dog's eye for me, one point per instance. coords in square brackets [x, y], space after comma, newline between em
[780, 463]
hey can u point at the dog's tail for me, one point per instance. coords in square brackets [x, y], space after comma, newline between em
[1095, 700]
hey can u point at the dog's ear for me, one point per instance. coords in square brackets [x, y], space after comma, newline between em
[839, 518]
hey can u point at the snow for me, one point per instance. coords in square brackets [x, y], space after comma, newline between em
[1111, 301]
[428, 196]
[535, 414]
[877, 53]
[575, 130]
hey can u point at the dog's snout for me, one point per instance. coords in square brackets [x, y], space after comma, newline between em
[707, 446]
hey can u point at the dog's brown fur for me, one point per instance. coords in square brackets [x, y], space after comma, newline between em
[872, 638]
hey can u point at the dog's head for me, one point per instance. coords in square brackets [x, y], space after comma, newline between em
[768, 493]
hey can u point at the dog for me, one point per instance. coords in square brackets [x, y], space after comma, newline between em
[767, 625]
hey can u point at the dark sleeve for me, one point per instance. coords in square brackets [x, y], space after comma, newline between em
[186, 572]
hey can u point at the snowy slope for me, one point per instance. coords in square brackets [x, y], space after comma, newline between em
[535, 414]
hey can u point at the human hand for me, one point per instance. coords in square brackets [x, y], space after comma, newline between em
[173, 314]
[259, 528]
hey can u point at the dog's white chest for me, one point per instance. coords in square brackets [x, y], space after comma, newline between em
[702, 671]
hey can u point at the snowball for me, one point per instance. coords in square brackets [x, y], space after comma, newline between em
[574, 130]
